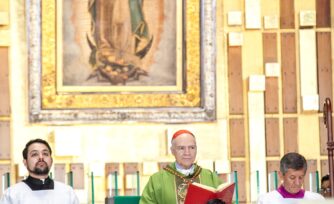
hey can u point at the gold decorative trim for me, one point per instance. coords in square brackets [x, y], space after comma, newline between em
[195, 103]
[51, 98]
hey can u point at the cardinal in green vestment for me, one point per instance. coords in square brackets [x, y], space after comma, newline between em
[169, 186]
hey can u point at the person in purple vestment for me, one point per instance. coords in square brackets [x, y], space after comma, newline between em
[293, 167]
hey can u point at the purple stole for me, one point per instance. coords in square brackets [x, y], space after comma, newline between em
[286, 194]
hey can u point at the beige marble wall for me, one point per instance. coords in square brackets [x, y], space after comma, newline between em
[143, 142]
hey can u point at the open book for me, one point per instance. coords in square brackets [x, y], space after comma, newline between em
[200, 194]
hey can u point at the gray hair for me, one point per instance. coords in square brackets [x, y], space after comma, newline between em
[293, 161]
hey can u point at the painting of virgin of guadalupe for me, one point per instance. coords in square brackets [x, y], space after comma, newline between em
[119, 43]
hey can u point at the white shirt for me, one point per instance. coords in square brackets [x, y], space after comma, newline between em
[21, 193]
[274, 197]
[183, 171]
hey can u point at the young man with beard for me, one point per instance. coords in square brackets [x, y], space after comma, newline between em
[293, 167]
[38, 187]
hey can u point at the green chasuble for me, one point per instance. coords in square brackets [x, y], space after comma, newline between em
[162, 186]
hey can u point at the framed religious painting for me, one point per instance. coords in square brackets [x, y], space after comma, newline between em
[116, 60]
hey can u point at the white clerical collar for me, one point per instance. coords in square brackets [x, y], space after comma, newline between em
[183, 171]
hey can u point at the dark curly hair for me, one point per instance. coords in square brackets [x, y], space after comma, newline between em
[25, 150]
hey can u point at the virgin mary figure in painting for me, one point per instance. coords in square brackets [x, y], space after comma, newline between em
[119, 38]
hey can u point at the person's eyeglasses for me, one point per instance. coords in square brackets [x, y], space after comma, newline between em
[325, 190]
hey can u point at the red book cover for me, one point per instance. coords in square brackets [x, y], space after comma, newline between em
[200, 194]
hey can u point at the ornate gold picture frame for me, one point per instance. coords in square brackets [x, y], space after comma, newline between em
[191, 99]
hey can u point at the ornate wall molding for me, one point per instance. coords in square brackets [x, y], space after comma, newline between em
[47, 106]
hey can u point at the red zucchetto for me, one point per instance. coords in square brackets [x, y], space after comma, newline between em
[180, 132]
